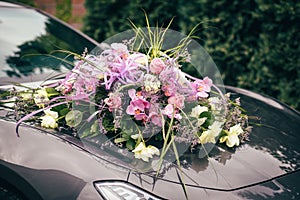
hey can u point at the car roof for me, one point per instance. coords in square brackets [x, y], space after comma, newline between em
[9, 4]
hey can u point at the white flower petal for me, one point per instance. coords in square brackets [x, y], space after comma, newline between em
[232, 140]
[140, 147]
[135, 136]
[48, 122]
[196, 111]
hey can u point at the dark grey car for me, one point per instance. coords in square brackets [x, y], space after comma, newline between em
[52, 164]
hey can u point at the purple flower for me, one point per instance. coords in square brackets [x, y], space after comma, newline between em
[138, 105]
[169, 111]
[113, 101]
[173, 81]
[155, 119]
[169, 89]
[154, 115]
[201, 88]
[127, 70]
[177, 100]
[116, 50]
[67, 87]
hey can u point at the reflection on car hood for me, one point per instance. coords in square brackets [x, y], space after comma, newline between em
[273, 150]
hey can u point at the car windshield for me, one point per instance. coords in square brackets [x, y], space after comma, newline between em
[30, 42]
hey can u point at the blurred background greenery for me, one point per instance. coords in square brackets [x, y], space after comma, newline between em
[255, 43]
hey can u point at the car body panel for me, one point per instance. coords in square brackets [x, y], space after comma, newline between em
[267, 163]
[265, 167]
[281, 188]
[55, 167]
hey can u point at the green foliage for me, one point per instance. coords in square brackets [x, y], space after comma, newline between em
[108, 17]
[255, 43]
[63, 9]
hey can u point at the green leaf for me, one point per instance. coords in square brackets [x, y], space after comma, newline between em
[119, 140]
[63, 111]
[95, 127]
[205, 114]
[73, 118]
[130, 144]
[51, 92]
[86, 133]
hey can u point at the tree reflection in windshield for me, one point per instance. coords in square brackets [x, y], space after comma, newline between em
[31, 41]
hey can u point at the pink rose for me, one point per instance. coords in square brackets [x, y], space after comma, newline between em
[157, 66]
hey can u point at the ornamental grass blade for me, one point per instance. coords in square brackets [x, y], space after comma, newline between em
[182, 183]
[179, 174]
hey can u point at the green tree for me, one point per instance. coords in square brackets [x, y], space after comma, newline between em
[63, 9]
[255, 43]
[108, 17]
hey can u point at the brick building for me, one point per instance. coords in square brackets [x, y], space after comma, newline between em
[75, 10]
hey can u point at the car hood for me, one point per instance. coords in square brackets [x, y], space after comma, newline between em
[273, 151]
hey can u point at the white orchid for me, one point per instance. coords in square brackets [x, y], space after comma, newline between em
[144, 153]
[196, 111]
[49, 119]
[232, 136]
[213, 131]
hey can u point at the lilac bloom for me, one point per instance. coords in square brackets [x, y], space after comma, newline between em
[173, 81]
[126, 70]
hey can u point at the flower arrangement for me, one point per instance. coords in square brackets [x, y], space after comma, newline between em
[140, 98]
